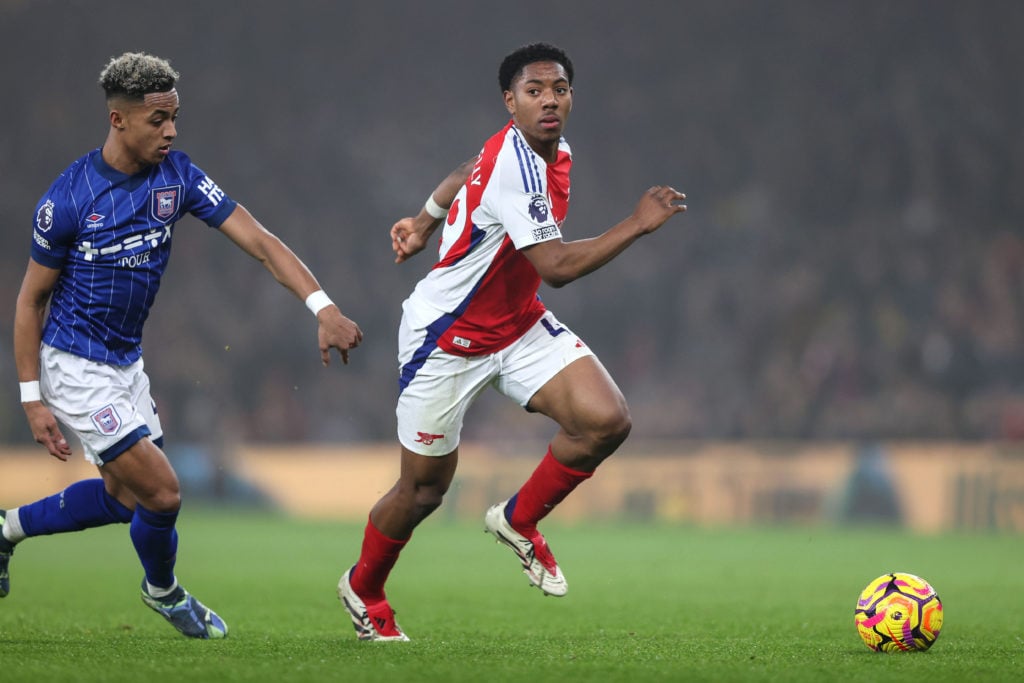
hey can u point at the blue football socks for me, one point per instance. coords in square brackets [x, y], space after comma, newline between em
[156, 543]
[83, 505]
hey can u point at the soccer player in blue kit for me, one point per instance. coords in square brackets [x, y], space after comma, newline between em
[101, 241]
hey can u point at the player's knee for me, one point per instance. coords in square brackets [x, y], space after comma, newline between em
[428, 498]
[164, 501]
[162, 496]
[610, 429]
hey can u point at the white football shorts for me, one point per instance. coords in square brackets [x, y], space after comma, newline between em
[433, 404]
[108, 407]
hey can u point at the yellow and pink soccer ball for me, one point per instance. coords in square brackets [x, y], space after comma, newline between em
[898, 612]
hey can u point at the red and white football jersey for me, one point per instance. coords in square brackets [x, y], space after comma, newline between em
[482, 294]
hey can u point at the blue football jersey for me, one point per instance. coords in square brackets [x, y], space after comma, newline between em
[110, 235]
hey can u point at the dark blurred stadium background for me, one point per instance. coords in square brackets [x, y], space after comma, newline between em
[851, 266]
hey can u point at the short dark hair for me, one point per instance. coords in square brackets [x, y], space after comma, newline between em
[136, 74]
[518, 59]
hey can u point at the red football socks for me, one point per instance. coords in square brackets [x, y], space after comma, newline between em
[376, 560]
[548, 486]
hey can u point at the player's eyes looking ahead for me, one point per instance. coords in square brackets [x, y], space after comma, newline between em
[536, 92]
[159, 118]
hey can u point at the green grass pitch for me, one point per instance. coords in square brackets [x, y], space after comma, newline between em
[646, 603]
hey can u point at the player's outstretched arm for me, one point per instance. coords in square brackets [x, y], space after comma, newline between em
[29, 314]
[558, 263]
[410, 235]
[335, 330]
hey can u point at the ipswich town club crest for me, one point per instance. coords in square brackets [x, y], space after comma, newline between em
[164, 202]
[107, 420]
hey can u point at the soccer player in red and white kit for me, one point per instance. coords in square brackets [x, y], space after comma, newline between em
[476, 321]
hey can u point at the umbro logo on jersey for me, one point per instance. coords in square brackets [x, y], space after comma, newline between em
[94, 220]
[427, 439]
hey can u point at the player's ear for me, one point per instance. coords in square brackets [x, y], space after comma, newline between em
[510, 102]
[117, 119]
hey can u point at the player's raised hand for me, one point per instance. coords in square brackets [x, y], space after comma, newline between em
[337, 332]
[408, 238]
[46, 430]
[657, 205]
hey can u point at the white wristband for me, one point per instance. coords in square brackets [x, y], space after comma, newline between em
[317, 301]
[30, 391]
[436, 211]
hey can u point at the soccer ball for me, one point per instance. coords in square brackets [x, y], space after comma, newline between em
[898, 613]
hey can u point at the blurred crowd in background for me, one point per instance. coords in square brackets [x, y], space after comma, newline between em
[851, 265]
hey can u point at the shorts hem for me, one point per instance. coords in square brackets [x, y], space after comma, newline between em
[418, 447]
[126, 442]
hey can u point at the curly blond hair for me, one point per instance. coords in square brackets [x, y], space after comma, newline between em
[136, 74]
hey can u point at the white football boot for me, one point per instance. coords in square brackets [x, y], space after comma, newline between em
[377, 622]
[538, 563]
